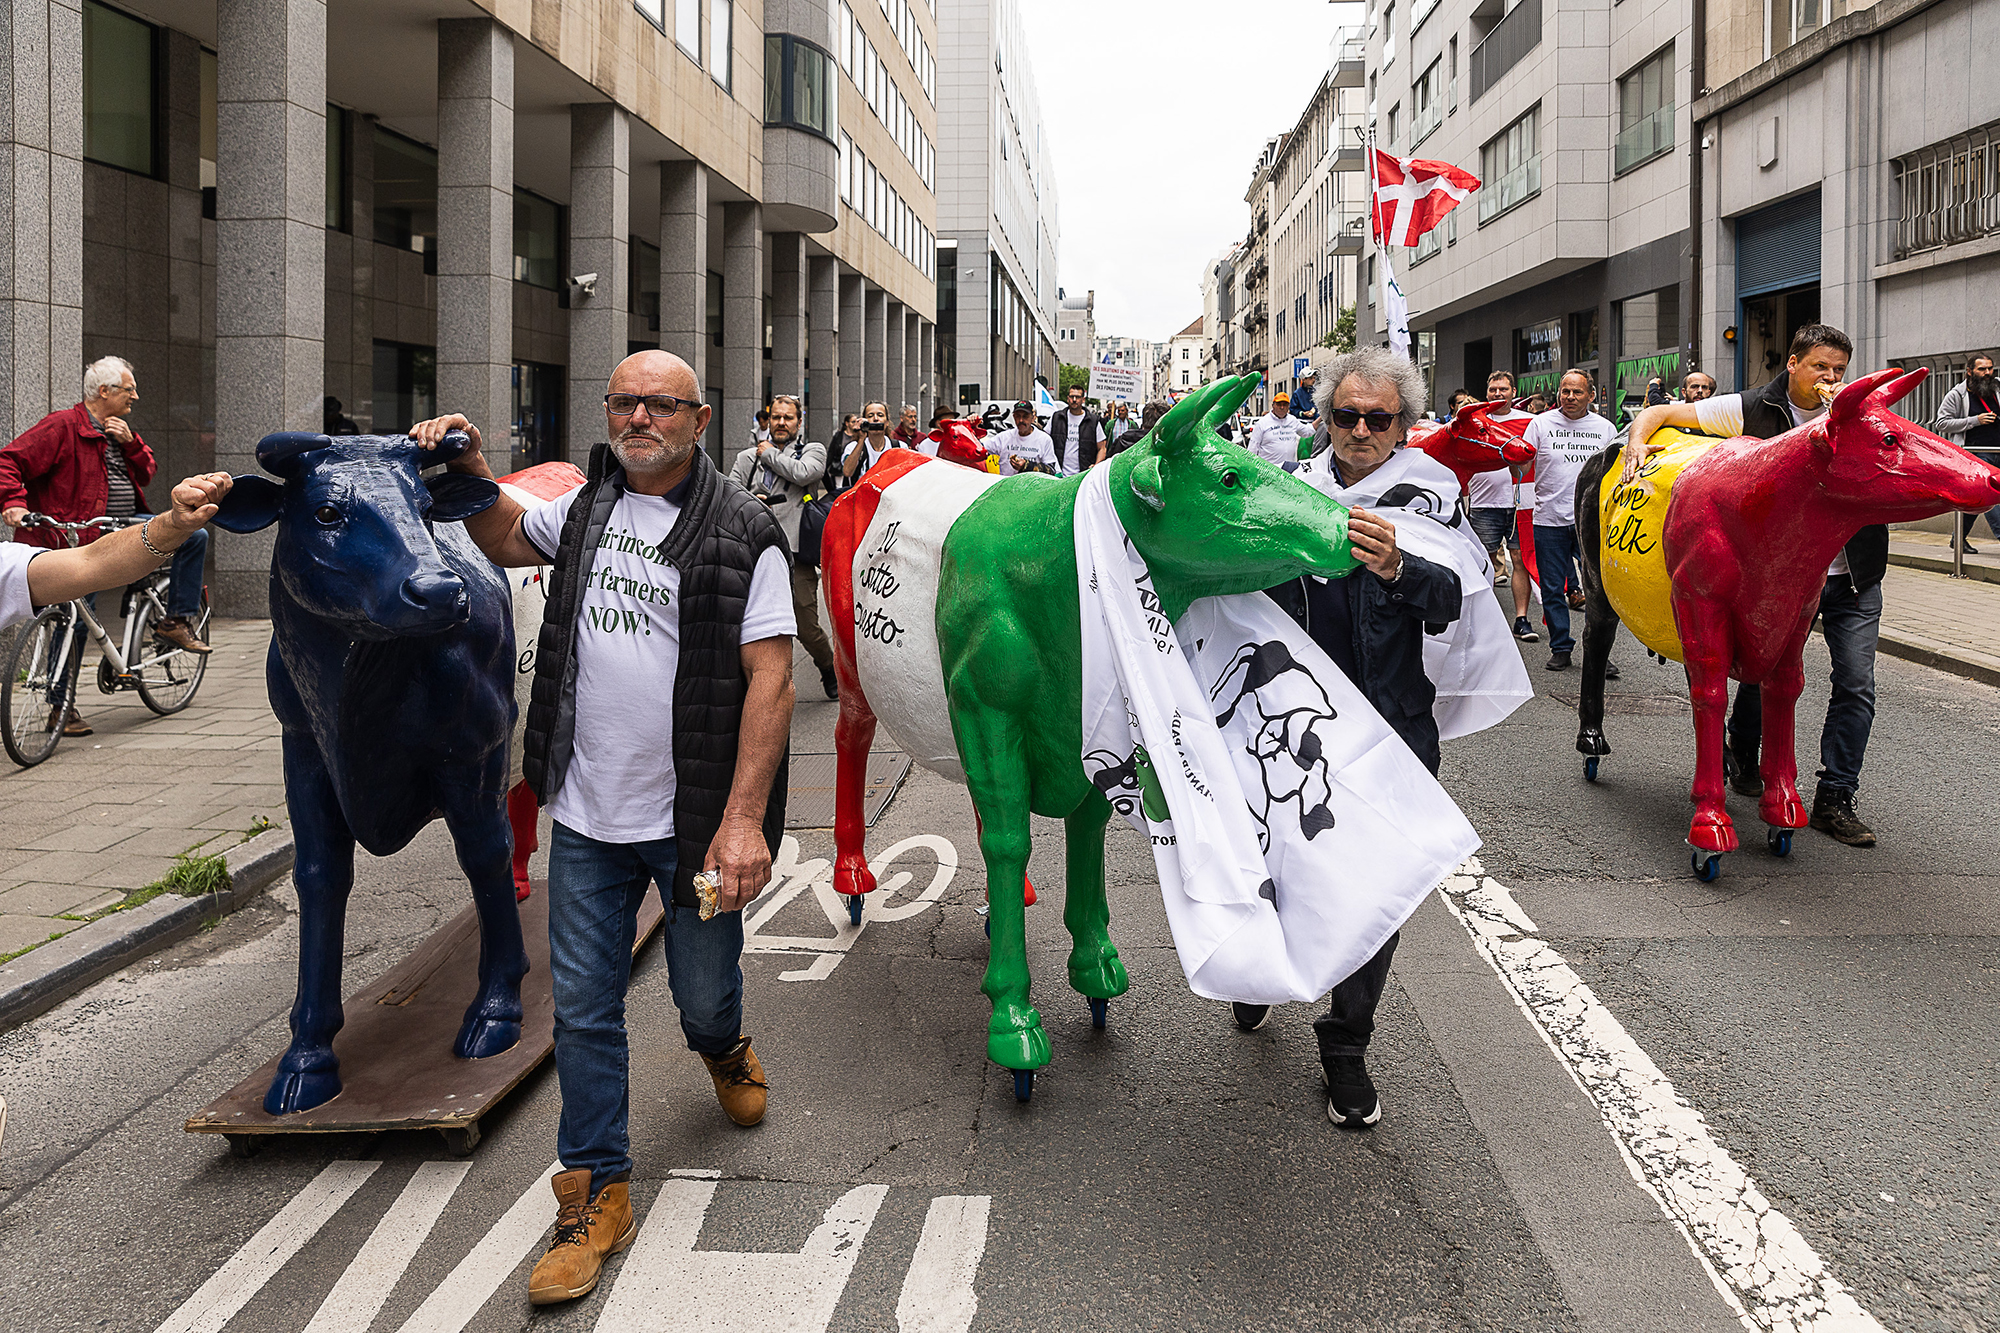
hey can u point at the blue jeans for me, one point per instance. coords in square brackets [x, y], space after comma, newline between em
[1852, 624]
[595, 889]
[184, 581]
[1555, 560]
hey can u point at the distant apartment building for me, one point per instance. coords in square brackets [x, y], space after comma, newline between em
[1220, 301]
[1253, 321]
[1576, 250]
[997, 229]
[1187, 353]
[478, 205]
[1320, 193]
[1849, 172]
[1076, 327]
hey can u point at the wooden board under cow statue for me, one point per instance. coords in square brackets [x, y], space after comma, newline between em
[1714, 556]
[393, 673]
[1091, 645]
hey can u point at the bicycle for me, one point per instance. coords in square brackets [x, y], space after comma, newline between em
[43, 669]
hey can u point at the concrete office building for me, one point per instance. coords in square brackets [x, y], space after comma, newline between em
[996, 198]
[1320, 192]
[1576, 250]
[1076, 326]
[1851, 173]
[471, 204]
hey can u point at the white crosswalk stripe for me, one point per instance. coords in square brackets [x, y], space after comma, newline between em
[219, 1298]
[358, 1297]
[937, 1291]
[470, 1285]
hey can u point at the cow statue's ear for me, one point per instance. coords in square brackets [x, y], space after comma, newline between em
[252, 504]
[456, 497]
[1149, 483]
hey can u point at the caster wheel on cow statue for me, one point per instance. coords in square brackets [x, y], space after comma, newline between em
[1590, 769]
[1779, 840]
[461, 1142]
[243, 1145]
[1707, 865]
[1024, 1084]
[1098, 1010]
[854, 905]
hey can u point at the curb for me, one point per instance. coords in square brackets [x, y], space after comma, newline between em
[42, 978]
[1932, 564]
[1923, 654]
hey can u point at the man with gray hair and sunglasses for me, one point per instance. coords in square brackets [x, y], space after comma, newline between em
[1372, 624]
[657, 737]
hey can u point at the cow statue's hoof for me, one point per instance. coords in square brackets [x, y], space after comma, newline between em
[1780, 806]
[1590, 741]
[852, 876]
[305, 1079]
[1014, 1039]
[1095, 971]
[1711, 831]
[481, 1037]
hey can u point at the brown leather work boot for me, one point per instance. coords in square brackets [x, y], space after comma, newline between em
[73, 724]
[178, 632]
[588, 1231]
[739, 1082]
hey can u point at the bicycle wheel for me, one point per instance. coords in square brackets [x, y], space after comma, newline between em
[168, 677]
[36, 694]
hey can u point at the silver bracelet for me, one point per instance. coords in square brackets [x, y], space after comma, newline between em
[146, 542]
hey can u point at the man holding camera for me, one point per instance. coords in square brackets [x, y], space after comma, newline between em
[781, 471]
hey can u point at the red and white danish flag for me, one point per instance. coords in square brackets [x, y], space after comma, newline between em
[1413, 195]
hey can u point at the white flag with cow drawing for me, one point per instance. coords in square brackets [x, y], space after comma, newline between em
[1293, 831]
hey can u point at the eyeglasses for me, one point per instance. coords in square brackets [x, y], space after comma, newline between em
[658, 405]
[1347, 418]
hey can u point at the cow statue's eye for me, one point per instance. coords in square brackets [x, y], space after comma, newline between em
[1229, 481]
[327, 515]
[1889, 441]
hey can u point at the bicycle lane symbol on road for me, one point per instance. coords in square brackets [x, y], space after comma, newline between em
[792, 879]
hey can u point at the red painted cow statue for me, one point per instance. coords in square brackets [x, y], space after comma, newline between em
[1470, 443]
[1716, 553]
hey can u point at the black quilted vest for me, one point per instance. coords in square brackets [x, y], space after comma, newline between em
[721, 532]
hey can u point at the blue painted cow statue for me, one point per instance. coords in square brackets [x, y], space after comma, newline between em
[392, 673]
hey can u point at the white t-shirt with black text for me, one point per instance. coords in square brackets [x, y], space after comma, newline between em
[620, 783]
[15, 604]
[1035, 446]
[1562, 447]
[1723, 415]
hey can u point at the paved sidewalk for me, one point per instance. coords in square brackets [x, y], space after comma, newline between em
[1951, 624]
[106, 814]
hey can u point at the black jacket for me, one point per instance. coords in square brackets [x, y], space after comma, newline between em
[715, 543]
[1085, 443]
[1766, 416]
[1387, 639]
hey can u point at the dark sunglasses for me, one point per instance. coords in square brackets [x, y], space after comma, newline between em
[658, 405]
[1347, 418]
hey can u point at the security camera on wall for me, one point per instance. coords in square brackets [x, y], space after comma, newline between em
[585, 284]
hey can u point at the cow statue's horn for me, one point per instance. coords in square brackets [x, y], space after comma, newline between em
[1851, 404]
[278, 453]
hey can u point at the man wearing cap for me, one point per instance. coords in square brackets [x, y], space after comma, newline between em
[1025, 448]
[1275, 437]
[1304, 408]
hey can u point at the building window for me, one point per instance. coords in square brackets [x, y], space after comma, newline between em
[654, 10]
[406, 175]
[539, 392]
[1949, 192]
[1794, 20]
[687, 28]
[1389, 34]
[799, 87]
[537, 240]
[1451, 76]
[1395, 125]
[643, 289]
[1511, 167]
[721, 64]
[336, 169]
[1427, 103]
[405, 386]
[1646, 112]
[120, 97]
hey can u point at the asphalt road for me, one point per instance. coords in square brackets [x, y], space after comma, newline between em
[1797, 1059]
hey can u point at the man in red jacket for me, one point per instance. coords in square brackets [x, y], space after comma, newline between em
[86, 462]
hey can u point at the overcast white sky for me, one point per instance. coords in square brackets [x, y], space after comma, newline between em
[1156, 111]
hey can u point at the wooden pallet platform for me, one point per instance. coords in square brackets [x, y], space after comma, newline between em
[396, 1066]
